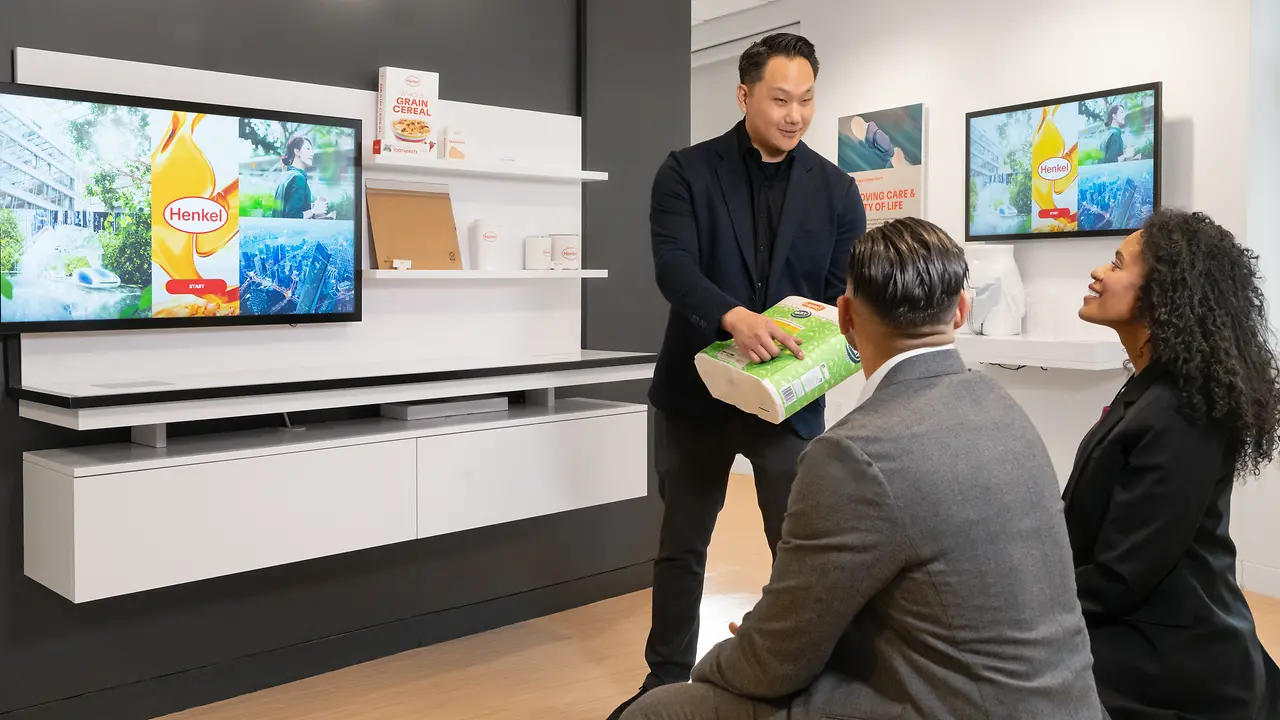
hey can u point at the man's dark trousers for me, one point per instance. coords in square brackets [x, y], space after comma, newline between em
[693, 463]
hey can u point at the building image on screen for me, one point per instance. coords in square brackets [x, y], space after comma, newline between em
[112, 214]
[75, 226]
[1079, 166]
[1117, 162]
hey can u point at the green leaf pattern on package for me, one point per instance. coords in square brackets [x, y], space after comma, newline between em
[829, 359]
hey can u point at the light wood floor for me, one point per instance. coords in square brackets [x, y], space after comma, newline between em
[575, 665]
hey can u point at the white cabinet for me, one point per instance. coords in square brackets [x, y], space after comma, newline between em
[472, 480]
[103, 535]
[108, 520]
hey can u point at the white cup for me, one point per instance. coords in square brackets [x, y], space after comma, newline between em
[566, 251]
[486, 246]
[537, 252]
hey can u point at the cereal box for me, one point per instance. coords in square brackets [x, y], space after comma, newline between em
[406, 113]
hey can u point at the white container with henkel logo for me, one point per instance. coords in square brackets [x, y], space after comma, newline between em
[537, 252]
[566, 251]
[486, 246]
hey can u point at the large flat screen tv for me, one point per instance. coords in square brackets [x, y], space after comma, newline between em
[121, 212]
[1080, 166]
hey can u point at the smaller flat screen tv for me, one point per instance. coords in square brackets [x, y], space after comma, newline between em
[1080, 166]
[120, 212]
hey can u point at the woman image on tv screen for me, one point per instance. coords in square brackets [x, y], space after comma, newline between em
[294, 199]
[1113, 149]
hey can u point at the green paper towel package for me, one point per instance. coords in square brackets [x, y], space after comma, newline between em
[776, 389]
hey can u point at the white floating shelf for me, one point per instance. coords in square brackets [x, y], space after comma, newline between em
[467, 168]
[484, 274]
[1042, 352]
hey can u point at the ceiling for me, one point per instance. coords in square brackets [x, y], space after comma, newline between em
[704, 10]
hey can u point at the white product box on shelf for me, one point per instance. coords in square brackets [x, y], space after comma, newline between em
[455, 144]
[406, 123]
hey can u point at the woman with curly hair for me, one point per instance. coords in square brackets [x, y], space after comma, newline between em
[1148, 504]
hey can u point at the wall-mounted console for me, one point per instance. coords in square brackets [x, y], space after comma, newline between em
[107, 520]
[116, 519]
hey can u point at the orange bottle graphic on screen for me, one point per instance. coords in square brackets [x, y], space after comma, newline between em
[1053, 169]
[187, 217]
[1046, 144]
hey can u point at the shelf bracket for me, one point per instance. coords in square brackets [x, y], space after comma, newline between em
[156, 436]
[545, 397]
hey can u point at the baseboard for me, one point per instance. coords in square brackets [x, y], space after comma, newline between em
[1260, 579]
[202, 686]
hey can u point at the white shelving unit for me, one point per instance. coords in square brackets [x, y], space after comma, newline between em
[215, 504]
[1042, 352]
[465, 168]
[462, 275]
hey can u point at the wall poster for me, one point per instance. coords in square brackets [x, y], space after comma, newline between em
[884, 151]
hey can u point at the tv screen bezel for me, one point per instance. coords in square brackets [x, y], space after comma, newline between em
[151, 103]
[1158, 161]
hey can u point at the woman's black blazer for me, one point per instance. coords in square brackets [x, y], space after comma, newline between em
[1148, 508]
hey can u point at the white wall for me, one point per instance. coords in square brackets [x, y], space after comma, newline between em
[1257, 503]
[955, 60]
[713, 96]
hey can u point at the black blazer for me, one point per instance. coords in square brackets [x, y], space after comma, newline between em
[705, 262]
[1148, 507]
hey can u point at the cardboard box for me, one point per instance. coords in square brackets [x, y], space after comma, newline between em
[406, 113]
[777, 389]
[411, 226]
[455, 144]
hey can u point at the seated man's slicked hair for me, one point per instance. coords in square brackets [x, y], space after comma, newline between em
[909, 272]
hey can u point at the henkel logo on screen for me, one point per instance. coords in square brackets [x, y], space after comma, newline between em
[195, 215]
[1054, 169]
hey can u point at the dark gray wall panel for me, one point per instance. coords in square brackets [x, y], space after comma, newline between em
[498, 52]
[635, 98]
[636, 67]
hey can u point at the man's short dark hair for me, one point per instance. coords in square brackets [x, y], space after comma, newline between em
[753, 61]
[910, 272]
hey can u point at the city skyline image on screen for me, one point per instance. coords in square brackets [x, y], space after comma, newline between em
[1081, 166]
[123, 212]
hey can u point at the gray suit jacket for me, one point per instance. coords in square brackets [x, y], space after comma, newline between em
[924, 570]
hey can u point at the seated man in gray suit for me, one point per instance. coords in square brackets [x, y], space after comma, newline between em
[924, 570]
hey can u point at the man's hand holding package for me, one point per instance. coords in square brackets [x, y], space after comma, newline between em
[758, 336]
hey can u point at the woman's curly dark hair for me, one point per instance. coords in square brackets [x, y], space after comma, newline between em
[1203, 303]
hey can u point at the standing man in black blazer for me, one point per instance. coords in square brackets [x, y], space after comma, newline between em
[738, 222]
